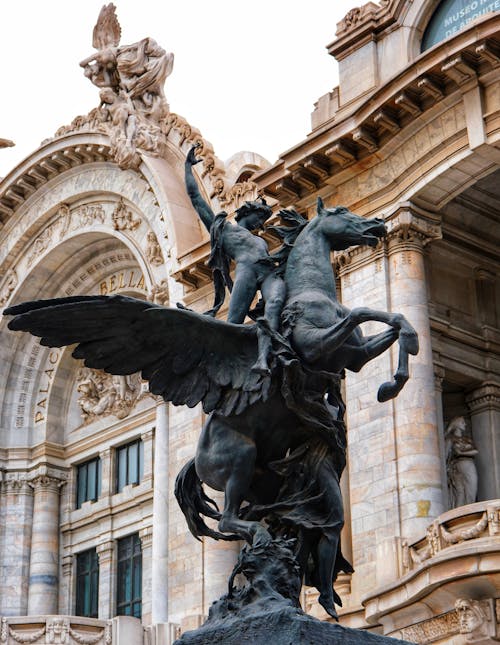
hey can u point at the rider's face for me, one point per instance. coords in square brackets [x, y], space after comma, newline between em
[251, 222]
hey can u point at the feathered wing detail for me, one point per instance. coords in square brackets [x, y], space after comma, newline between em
[107, 31]
[185, 356]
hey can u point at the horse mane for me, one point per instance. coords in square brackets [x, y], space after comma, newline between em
[295, 223]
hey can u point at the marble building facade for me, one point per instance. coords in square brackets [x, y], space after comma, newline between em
[87, 462]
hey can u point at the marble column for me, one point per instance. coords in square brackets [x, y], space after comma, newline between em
[107, 475]
[415, 411]
[44, 559]
[147, 444]
[484, 406]
[439, 374]
[107, 577]
[146, 537]
[16, 512]
[159, 575]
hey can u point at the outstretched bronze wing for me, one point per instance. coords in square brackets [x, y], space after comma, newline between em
[185, 356]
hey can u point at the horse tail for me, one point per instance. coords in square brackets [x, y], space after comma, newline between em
[194, 503]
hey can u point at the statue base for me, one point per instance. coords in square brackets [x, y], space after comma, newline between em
[281, 626]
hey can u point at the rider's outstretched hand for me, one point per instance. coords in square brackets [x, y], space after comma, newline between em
[191, 158]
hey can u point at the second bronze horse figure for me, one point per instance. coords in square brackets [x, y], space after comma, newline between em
[274, 441]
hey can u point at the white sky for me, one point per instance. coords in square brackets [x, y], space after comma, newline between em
[246, 74]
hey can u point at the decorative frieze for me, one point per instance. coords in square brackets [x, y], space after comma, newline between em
[433, 630]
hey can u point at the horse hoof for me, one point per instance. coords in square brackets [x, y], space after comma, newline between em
[388, 391]
[408, 340]
[328, 606]
[261, 538]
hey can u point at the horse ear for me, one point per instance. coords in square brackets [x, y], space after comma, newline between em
[319, 205]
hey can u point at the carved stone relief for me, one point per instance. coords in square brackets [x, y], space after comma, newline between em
[130, 79]
[102, 394]
[433, 630]
[160, 293]
[9, 283]
[476, 620]
[460, 466]
[55, 629]
[124, 219]
[153, 250]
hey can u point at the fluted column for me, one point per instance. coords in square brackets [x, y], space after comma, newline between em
[16, 511]
[107, 577]
[415, 410]
[484, 406]
[159, 575]
[44, 559]
[439, 374]
[146, 537]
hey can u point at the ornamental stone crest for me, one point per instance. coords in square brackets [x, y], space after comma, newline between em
[130, 79]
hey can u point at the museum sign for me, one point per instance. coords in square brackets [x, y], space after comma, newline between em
[453, 15]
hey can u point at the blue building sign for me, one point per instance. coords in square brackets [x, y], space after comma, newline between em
[452, 16]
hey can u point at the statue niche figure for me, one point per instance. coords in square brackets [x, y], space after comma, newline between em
[460, 466]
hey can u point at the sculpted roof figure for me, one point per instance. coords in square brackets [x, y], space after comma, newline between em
[131, 79]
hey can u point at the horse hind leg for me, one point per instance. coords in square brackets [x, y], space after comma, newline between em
[236, 488]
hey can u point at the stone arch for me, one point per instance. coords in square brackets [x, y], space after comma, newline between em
[38, 378]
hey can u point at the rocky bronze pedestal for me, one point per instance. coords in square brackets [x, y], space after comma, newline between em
[266, 611]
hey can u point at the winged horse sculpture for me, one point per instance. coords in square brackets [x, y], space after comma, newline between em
[275, 442]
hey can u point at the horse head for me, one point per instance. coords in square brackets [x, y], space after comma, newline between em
[344, 229]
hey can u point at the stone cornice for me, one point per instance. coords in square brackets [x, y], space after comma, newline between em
[309, 167]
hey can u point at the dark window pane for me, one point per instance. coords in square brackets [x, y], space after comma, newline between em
[141, 460]
[91, 480]
[133, 463]
[88, 481]
[129, 577]
[87, 584]
[122, 468]
[82, 485]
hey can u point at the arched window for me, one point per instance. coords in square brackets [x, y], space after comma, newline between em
[452, 16]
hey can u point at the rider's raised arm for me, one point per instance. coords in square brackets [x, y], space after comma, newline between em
[204, 211]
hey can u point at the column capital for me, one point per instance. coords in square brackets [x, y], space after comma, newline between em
[46, 482]
[105, 550]
[148, 435]
[146, 536]
[487, 395]
[410, 227]
[17, 483]
[439, 374]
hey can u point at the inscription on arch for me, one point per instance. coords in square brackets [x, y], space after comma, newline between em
[452, 16]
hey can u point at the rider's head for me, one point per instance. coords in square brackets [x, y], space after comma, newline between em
[252, 215]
